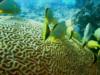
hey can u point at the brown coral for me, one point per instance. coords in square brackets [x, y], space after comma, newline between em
[22, 52]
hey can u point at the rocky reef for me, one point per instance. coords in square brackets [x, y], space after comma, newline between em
[22, 52]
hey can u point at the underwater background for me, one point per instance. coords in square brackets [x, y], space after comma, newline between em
[49, 37]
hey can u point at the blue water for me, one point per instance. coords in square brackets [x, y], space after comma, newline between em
[63, 9]
[34, 9]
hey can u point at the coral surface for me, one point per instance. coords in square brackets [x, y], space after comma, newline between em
[22, 52]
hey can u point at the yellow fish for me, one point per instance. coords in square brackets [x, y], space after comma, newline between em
[97, 34]
[49, 19]
[94, 46]
[9, 7]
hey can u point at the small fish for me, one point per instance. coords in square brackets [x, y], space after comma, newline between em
[49, 15]
[49, 20]
[9, 7]
[97, 34]
[87, 34]
[94, 46]
[58, 33]
[70, 31]
[70, 28]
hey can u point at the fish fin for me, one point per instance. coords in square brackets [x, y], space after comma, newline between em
[86, 35]
[95, 59]
[54, 26]
[99, 47]
[70, 37]
[84, 44]
[46, 31]
[49, 14]
[46, 11]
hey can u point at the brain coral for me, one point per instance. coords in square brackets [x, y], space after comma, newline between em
[22, 52]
